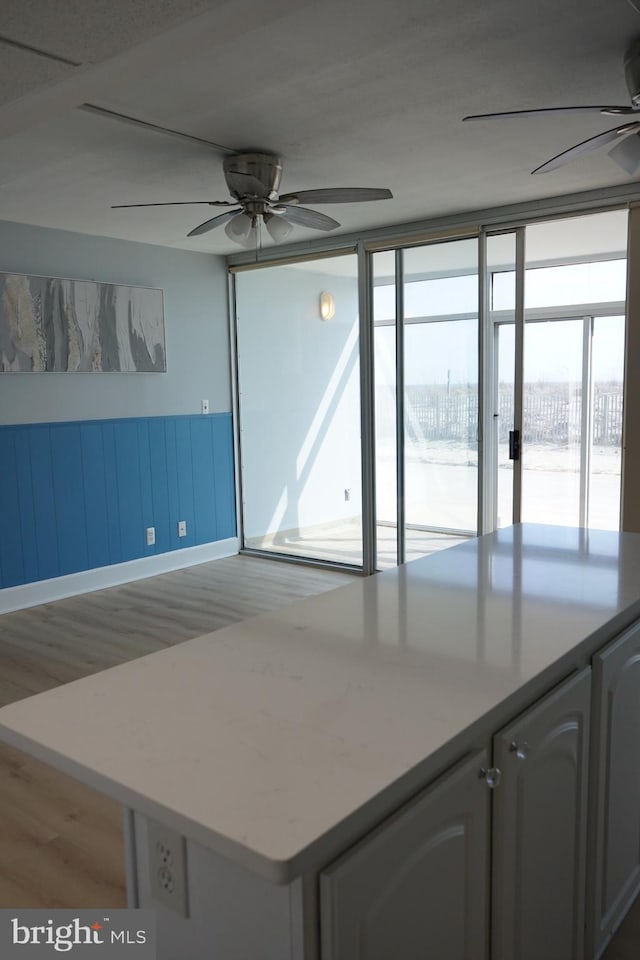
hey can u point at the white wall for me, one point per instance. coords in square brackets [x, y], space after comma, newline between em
[299, 394]
[195, 302]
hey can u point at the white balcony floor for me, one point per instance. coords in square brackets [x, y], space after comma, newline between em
[441, 492]
[342, 543]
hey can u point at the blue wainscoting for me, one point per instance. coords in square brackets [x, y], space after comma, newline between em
[75, 496]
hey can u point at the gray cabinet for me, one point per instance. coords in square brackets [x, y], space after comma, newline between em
[539, 828]
[615, 807]
[418, 886]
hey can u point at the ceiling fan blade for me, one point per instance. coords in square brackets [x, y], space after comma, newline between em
[218, 221]
[586, 146]
[337, 195]
[146, 125]
[308, 218]
[607, 111]
[174, 203]
[626, 154]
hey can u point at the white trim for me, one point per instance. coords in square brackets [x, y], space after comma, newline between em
[518, 365]
[455, 226]
[46, 591]
[487, 423]
[577, 311]
[234, 379]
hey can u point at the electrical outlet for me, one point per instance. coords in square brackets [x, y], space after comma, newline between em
[182, 528]
[347, 493]
[204, 406]
[167, 853]
[151, 536]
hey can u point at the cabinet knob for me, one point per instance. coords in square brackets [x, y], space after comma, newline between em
[520, 750]
[491, 776]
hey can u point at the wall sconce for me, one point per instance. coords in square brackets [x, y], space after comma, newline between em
[327, 306]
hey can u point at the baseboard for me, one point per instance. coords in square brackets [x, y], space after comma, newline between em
[45, 591]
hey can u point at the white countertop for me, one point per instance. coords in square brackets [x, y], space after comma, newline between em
[277, 739]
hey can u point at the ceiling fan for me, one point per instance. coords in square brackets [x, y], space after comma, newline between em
[253, 180]
[626, 151]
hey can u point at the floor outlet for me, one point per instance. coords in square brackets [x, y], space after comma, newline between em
[151, 536]
[168, 867]
[182, 528]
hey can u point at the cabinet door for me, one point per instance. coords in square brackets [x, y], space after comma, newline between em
[615, 803]
[418, 886]
[539, 828]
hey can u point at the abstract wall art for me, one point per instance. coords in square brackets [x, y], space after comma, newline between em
[48, 324]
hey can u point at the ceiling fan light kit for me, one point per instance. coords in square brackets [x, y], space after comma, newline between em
[626, 152]
[277, 227]
[253, 180]
[239, 227]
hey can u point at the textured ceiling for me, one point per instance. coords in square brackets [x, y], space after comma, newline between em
[88, 31]
[350, 93]
[22, 71]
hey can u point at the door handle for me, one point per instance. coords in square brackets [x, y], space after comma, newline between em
[514, 444]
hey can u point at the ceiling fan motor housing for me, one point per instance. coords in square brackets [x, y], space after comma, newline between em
[632, 72]
[254, 175]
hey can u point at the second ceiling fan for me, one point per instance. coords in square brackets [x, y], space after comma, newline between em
[626, 149]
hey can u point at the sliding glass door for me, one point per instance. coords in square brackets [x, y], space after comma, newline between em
[485, 386]
[555, 391]
[386, 412]
[425, 313]
[557, 395]
[441, 438]
[605, 462]
[298, 372]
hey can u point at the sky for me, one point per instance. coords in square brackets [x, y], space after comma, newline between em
[447, 351]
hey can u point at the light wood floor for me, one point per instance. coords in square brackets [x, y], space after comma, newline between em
[62, 843]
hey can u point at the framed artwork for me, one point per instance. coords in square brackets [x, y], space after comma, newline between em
[48, 324]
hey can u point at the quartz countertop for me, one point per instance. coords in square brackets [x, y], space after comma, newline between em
[279, 740]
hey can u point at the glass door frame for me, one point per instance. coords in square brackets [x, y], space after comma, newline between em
[488, 334]
[364, 343]
[399, 321]
[499, 319]
[487, 367]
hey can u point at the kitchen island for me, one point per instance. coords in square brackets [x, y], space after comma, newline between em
[440, 760]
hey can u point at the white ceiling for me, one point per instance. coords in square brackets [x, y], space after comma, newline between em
[363, 92]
